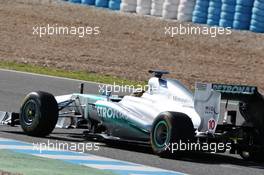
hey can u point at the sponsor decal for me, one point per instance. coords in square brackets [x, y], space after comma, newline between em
[106, 112]
[235, 89]
[210, 110]
[180, 100]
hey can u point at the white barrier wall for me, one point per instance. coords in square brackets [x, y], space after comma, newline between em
[170, 9]
[185, 10]
[143, 7]
[128, 6]
[156, 7]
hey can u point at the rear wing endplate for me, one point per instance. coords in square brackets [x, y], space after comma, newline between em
[207, 105]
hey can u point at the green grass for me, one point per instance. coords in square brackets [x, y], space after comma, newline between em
[32, 165]
[80, 75]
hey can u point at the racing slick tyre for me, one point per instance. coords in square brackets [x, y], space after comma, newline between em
[39, 114]
[170, 128]
[256, 156]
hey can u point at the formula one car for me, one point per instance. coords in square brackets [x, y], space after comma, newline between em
[164, 115]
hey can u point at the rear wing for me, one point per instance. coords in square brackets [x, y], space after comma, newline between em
[251, 102]
[236, 92]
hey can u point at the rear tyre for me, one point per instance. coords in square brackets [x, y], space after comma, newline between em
[170, 128]
[39, 114]
[251, 146]
[257, 156]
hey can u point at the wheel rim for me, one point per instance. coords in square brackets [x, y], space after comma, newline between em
[161, 134]
[245, 154]
[30, 112]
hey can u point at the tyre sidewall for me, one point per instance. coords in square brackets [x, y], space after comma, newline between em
[180, 129]
[45, 122]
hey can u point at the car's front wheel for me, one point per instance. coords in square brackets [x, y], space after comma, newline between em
[39, 114]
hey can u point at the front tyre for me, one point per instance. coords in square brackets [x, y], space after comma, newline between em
[39, 114]
[170, 128]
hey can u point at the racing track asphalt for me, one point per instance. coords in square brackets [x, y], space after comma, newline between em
[15, 85]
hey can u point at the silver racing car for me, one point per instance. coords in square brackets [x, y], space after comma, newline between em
[164, 116]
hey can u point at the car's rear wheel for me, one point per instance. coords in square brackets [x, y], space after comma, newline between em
[39, 114]
[248, 155]
[170, 128]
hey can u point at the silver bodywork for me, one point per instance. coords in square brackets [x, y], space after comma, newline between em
[132, 117]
